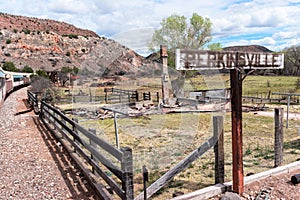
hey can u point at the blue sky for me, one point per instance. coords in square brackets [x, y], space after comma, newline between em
[274, 24]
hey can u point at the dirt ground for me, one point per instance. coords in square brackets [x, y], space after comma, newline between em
[33, 166]
[32, 163]
[277, 187]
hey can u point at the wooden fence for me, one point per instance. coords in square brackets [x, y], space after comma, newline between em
[115, 95]
[103, 157]
[79, 141]
[33, 101]
[120, 96]
[119, 161]
[269, 97]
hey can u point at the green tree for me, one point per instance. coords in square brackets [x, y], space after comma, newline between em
[64, 75]
[75, 70]
[175, 32]
[10, 66]
[214, 46]
[66, 69]
[27, 69]
[41, 72]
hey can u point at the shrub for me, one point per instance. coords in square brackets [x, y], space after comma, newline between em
[10, 66]
[26, 31]
[71, 36]
[41, 72]
[27, 69]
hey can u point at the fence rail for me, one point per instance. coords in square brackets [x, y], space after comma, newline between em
[119, 95]
[33, 101]
[119, 161]
[90, 148]
[115, 95]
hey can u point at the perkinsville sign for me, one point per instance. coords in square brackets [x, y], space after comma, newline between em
[192, 59]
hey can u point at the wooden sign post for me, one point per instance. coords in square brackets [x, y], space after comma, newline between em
[190, 59]
[165, 74]
[236, 132]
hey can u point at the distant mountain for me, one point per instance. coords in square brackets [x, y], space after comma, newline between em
[50, 45]
[248, 48]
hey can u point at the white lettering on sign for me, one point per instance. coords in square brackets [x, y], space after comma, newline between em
[200, 59]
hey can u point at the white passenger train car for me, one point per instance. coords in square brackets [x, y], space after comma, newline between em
[10, 81]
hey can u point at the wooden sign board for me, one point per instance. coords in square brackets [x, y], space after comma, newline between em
[192, 59]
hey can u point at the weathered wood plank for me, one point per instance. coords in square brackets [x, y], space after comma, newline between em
[218, 129]
[103, 144]
[278, 139]
[115, 186]
[163, 180]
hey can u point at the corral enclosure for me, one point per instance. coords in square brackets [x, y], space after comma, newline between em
[160, 138]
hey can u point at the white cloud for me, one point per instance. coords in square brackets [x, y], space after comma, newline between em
[285, 35]
[267, 41]
[268, 22]
[137, 39]
[68, 6]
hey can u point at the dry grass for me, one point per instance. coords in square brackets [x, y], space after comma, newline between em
[161, 141]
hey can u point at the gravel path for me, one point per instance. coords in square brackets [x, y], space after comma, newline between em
[32, 163]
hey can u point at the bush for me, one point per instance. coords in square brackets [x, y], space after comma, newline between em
[8, 41]
[71, 36]
[27, 69]
[39, 83]
[26, 31]
[10, 66]
[41, 72]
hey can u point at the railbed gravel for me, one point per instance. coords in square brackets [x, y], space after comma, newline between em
[32, 163]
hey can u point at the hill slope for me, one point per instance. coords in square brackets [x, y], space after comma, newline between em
[50, 45]
[248, 48]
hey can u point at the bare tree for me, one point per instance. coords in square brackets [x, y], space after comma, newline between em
[292, 61]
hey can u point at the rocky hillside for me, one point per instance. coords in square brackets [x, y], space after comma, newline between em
[49, 45]
[248, 48]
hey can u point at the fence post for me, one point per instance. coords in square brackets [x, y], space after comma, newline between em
[218, 130]
[137, 96]
[127, 168]
[105, 90]
[42, 109]
[93, 145]
[145, 180]
[90, 92]
[75, 131]
[278, 146]
[116, 129]
[287, 110]
[64, 122]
